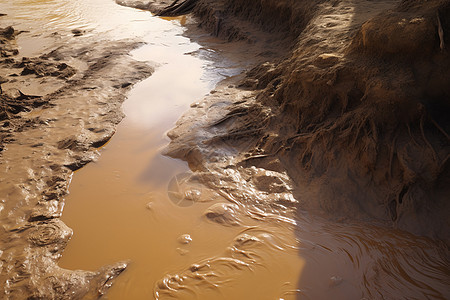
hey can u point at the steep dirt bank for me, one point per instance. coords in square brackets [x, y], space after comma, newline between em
[356, 113]
[367, 115]
[365, 101]
[55, 111]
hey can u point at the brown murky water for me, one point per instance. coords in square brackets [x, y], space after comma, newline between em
[125, 206]
[119, 207]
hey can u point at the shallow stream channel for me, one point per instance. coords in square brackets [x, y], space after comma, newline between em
[131, 204]
[126, 205]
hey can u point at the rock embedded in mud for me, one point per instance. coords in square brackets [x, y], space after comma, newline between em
[182, 191]
[335, 281]
[285, 199]
[7, 32]
[192, 195]
[224, 214]
[184, 239]
[245, 239]
[77, 32]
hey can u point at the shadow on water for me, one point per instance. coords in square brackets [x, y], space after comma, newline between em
[360, 261]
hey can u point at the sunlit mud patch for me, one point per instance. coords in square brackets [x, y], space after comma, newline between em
[258, 193]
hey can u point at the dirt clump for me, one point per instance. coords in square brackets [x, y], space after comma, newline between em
[7, 44]
[223, 213]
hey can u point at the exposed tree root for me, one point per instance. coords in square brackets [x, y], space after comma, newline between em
[391, 155]
[440, 129]
[426, 140]
[232, 114]
[440, 33]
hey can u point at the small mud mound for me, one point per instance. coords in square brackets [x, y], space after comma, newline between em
[42, 68]
[183, 191]
[223, 213]
[7, 42]
[13, 102]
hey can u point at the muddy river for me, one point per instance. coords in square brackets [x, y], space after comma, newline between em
[132, 203]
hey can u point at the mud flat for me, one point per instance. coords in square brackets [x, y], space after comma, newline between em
[57, 106]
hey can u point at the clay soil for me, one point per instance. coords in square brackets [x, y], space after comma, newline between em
[352, 104]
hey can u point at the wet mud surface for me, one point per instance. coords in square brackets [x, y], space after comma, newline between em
[310, 170]
[57, 107]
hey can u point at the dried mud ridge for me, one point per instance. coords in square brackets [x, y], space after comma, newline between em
[356, 114]
[43, 139]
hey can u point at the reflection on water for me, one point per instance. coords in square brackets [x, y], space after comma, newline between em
[53, 20]
[48, 16]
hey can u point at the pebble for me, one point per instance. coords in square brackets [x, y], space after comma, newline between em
[185, 239]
